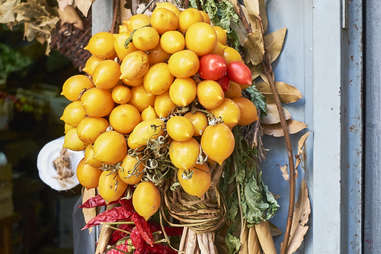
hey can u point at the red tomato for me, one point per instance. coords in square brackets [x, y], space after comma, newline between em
[212, 67]
[239, 73]
[224, 83]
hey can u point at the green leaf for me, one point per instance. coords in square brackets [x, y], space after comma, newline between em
[257, 98]
[233, 243]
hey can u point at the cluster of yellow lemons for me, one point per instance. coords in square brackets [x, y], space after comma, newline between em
[136, 78]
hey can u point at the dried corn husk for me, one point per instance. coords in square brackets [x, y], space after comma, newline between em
[265, 239]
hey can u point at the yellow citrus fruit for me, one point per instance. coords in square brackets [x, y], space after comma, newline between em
[110, 147]
[145, 131]
[219, 49]
[195, 181]
[120, 47]
[148, 114]
[141, 99]
[172, 41]
[137, 21]
[234, 90]
[184, 154]
[88, 176]
[217, 142]
[121, 94]
[248, 111]
[180, 128]
[205, 17]
[123, 29]
[110, 186]
[90, 128]
[68, 127]
[75, 86]
[188, 17]
[145, 38]
[146, 199]
[168, 6]
[97, 102]
[131, 170]
[210, 94]
[91, 64]
[199, 122]
[183, 64]
[73, 113]
[183, 91]
[101, 45]
[134, 65]
[157, 55]
[107, 74]
[164, 20]
[231, 55]
[163, 105]
[136, 82]
[90, 159]
[158, 79]
[221, 34]
[201, 38]
[72, 141]
[124, 118]
[228, 111]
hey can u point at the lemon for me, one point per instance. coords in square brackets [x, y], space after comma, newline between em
[134, 65]
[164, 105]
[149, 114]
[137, 21]
[101, 45]
[201, 38]
[120, 47]
[164, 20]
[188, 17]
[183, 91]
[72, 141]
[183, 64]
[158, 79]
[180, 128]
[106, 74]
[172, 41]
[145, 131]
[145, 38]
[73, 113]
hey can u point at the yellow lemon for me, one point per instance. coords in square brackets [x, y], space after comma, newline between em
[144, 131]
[234, 90]
[123, 29]
[201, 38]
[145, 38]
[168, 6]
[101, 45]
[172, 41]
[195, 181]
[149, 114]
[210, 94]
[180, 128]
[229, 112]
[134, 66]
[106, 74]
[183, 64]
[110, 147]
[121, 94]
[188, 17]
[124, 118]
[131, 170]
[205, 17]
[199, 122]
[135, 82]
[110, 187]
[157, 55]
[163, 105]
[72, 141]
[219, 49]
[97, 102]
[73, 113]
[75, 86]
[90, 128]
[164, 20]
[87, 175]
[68, 127]
[91, 64]
[184, 154]
[120, 45]
[183, 91]
[141, 99]
[218, 142]
[146, 199]
[137, 21]
[221, 34]
[231, 55]
[248, 111]
[158, 79]
[90, 157]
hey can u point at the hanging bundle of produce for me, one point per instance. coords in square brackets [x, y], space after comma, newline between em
[168, 113]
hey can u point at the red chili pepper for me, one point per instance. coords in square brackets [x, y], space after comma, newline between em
[143, 228]
[95, 202]
[124, 248]
[117, 235]
[112, 215]
[138, 241]
[170, 231]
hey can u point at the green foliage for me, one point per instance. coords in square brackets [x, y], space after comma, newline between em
[257, 98]
[233, 243]
[11, 61]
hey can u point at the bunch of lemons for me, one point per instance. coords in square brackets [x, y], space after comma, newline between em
[134, 80]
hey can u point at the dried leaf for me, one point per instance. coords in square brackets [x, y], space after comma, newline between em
[84, 6]
[276, 130]
[300, 156]
[299, 225]
[254, 47]
[252, 7]
[274, 43]
[70, 16]
[253, 242]
[284, 171]
[275, 231]
[7, 12]
[63, 3]
[272, 115]
[244, 249]
[88, 213]
[257, 8]
[287, 93]
[265, 238]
